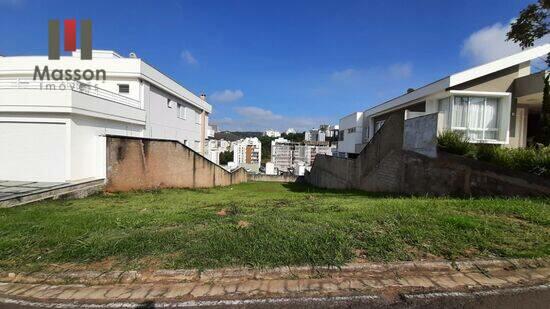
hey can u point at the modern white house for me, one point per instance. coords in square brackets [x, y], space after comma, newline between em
[53, 130]
[351, 134]
[495, 103]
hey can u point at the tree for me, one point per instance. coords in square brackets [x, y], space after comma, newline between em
[266, 147]
[294, 137]
[531, 25]
[225, 157]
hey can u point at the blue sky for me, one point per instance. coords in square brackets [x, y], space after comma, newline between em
[279, 64]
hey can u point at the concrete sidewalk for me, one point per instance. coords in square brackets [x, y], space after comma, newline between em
[373, 282]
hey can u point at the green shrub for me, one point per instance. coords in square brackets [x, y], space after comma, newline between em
[531, 160]
[455, 142]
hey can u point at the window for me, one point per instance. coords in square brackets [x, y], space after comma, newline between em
[477, 117]
[341, 135]
[351, 130]
[168, 103]
[444, 107]
[123, 88]
[182, 112]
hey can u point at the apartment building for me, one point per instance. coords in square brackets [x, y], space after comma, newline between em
[495, 103]
[306, 152]
[324, 133]
[247, 153]
[54, 129]
[282, 154]
[288, 156]
[272, 133]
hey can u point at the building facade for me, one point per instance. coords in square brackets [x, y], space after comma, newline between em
[54, 130]
[247, 153]
[287, 156]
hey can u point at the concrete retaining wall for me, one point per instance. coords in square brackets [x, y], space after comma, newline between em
[383, 166]
[420, 135]
[140, 163]
[272, 178]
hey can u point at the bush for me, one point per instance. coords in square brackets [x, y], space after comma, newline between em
[531, 160]
[455, 142]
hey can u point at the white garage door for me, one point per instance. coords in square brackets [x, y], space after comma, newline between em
[32, 151]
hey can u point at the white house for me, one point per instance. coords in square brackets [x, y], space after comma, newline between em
[495, 103]
[350, 135]
[54, 130]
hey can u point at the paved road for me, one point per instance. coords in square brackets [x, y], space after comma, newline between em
[529, 298]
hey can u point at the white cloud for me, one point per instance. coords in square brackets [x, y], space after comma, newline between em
[490, 43]
[188, 57]
[226, 96]
[344, 74]
[400, 70]
[252, 118]
[393, 71]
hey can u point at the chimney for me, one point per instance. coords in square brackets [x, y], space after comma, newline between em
[203, 97]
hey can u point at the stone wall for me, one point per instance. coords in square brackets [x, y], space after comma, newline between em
[140, 163]
[384, 166]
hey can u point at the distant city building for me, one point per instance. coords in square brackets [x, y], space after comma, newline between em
[247, 153]
[270, 169]
[290, 131]
[272, 133]
[324, 133]
[282, 154]
[287, 156]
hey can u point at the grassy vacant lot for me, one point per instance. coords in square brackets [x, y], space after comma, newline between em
[266, 224]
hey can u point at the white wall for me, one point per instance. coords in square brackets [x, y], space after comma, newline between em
[349, 141]
[163, 121]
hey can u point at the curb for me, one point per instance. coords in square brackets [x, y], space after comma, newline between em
[232, 274]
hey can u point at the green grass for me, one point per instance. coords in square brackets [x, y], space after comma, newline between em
[288, 224]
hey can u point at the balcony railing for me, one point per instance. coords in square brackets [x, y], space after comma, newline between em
[70, 86]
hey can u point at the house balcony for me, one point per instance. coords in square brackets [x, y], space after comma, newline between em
[68, 97]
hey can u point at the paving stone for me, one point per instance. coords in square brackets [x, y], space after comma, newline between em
[248, 286]
[356, 285]
[98, 293]
[484, 280]
[277, 286]
[67, 294]
[200, 290]
[141, 292]
[460, 279]
[372, 283]
[416, 281]
[216, 290]
[179, 290]
[119, 292]
[390, 282]
[445, 281]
